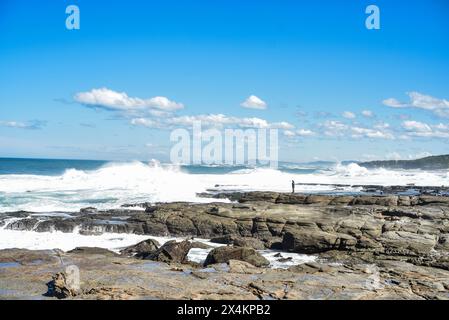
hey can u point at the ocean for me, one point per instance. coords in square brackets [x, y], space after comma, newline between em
[43, 185]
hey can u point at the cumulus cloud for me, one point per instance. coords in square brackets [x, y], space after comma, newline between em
[348, 115]
[120, 101]
[211, 120]
[299, 133]
[253, 102]
[359, 132]
[333, 128]
[439, 107]
[424, 130]
[416, 126]
[32, 125]
[289, 133]
[367, 113]
[305, 132]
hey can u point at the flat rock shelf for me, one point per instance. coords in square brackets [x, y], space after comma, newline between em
[366, 247]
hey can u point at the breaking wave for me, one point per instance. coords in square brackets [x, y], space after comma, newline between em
[114, 184]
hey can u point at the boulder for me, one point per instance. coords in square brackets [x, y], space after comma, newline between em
[226, 239]
[171, 252]
[60, 287]
[224, 254]
[237, 266]
[141, 249]
[249, 243]
[302, 240]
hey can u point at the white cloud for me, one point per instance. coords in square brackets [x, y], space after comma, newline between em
[439, 107]
[289, 133]
[348, 115]
[358, 132]
[416, 126]
[424, 130]
[120, 101]
[145, 122]
[253, 102]
[367, 113]
[305, 132]
[211, 120]
[332, 128]
[23, 125]
[299, 133]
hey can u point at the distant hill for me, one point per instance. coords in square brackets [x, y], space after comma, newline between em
[429, 163]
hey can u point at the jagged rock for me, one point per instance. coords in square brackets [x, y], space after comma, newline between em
[141, 249]
[171, 252]
[443, 242]
[224, 254]
[60, 288]
[23, 224]
[64, 225]
[89, 210]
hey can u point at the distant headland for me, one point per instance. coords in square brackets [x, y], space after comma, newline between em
[428, 163]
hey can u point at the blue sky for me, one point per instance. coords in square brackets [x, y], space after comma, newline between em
[335, 89]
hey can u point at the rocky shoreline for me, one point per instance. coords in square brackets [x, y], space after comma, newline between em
[368, 247]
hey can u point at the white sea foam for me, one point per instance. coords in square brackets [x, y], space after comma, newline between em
[117, 183]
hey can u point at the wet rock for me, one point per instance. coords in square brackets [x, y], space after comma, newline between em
[315, 241]
[310, 267]
[226, 239]
[240, 241]
[93, 250]
[141, 249]
[171, 252]
[60, 288]
[64, 225]
[23, 224]
[224, 254]
[28, 257]
[89, 210]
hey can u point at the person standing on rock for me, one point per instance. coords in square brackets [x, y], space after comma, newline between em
[293, 186]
